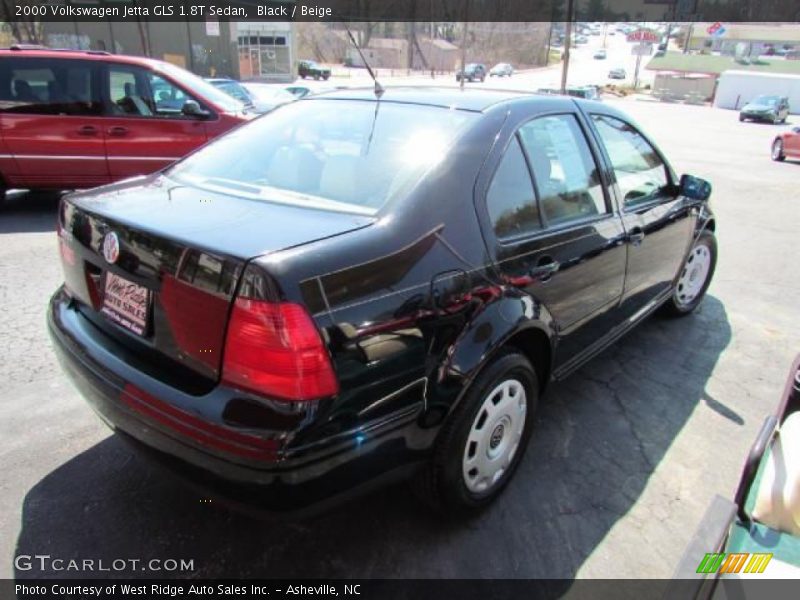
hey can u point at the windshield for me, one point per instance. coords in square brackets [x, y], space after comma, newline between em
[766, 100]
[271, 94]
[201, 88]
[344, 155]
[234, 90]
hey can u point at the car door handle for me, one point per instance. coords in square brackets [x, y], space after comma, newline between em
[117, 131]
[87, 130]
[545, 268]
[636, 236]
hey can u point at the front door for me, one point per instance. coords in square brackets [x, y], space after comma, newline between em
[658, 221]
[145, 127]
[557, 235]
[52, 123]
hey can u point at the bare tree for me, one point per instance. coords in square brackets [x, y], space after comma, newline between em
[23, 31]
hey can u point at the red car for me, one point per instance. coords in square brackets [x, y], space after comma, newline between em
[787, 145]
[78, 119]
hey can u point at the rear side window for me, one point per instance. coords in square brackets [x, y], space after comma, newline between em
[641, 174]
[49, 87]
[566, 175]
[511, 200]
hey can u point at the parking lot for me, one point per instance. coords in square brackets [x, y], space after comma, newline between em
[626, 456]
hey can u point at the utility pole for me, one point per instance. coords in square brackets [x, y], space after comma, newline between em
[464, 56]
[567, 44]
[549, 44]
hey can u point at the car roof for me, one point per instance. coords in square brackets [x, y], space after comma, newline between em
[446, 97]
[96, 55]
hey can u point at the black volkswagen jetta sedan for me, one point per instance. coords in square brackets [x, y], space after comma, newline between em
[354, 289]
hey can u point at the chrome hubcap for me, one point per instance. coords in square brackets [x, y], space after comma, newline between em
[495, 435]
[694, 275]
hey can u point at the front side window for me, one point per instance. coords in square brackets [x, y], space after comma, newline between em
[140, 93]
[511, 201]
[566, 175]
[344, 155]
[49, 87]
[641, 174]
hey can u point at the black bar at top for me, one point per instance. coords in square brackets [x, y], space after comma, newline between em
[400, 10]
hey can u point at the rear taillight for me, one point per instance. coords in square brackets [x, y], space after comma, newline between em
[274, 349]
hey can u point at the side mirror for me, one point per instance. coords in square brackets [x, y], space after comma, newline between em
[192, 109]
[695, 188]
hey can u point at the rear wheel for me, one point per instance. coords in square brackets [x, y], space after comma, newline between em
[741, 118]
[695, 276]
[484, 438]
[777, 150]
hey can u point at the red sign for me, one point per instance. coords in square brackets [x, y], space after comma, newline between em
[643, 35]
[712, 28]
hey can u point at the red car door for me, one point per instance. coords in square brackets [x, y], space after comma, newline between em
[145, 127]
[52, 123]
[791, 143]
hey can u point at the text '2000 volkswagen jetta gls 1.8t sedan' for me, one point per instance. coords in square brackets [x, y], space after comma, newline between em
[353, 289]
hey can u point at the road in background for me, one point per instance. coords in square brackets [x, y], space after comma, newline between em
[584, 70]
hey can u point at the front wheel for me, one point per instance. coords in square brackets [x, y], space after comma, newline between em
[777, 151]
[695, 276]
[741, 118]
[483, 441]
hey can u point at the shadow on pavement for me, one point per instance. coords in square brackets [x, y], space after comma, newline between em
[29, 212]
[598, 441]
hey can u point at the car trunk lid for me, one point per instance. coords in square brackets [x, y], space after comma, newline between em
[156, 265]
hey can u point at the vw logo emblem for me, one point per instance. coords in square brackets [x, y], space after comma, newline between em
[111, 247]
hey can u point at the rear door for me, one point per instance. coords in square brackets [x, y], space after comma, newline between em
[52, 123]
[792, 142]
[144, 126]
[555, 232]
[658, 221]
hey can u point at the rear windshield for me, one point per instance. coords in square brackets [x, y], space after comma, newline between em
[344, 155]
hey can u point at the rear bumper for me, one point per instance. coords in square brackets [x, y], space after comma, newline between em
[251, 469]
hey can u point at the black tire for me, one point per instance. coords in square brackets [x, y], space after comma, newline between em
[302, 75]
[316, 77]
[777, 150]
[441, 483]
[325, 77]
[674, 307]
[741, 118]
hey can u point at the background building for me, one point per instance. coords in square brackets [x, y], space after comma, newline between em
[241, 50]
[750, 39]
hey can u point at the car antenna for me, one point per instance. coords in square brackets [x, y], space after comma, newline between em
[378, 87]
